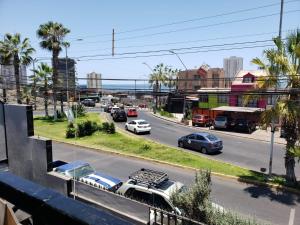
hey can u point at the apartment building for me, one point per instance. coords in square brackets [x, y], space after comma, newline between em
[232, 66]
[94, 82]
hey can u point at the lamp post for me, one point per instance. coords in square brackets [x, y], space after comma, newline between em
[156, 87]
[186, 76]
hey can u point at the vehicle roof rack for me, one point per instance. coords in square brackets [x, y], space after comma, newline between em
[148, 177]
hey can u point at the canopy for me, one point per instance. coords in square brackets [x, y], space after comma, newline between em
[238, 109]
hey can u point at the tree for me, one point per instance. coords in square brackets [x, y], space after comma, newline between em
[43, 79]
[26, 94]
[162, 76]
[34, 80]
[171, 78]
[18, 52]
[283, 64]
[52, 35]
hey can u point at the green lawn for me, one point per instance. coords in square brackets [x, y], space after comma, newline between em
[137, 146]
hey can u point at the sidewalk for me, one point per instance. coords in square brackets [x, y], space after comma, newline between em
[260, 135]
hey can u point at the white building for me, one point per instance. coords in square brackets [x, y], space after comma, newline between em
[232, 65]
[94, 82]
[8, 76]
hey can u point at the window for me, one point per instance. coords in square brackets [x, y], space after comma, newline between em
[215, 80]
[192, 136]
[222, 99]
[160, 202]
[200, 138]
[197, 77]
[197, 87]
[203, 98]
[212, 137]
[139, 196]
[248, 80]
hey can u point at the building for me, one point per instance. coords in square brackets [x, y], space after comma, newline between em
[245, 81]
[204, 77]
[8, 75]
[94, 82]
[66, 82]
[232, 65]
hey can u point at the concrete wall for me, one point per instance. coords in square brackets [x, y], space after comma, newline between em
[30, 157]
[3, 155]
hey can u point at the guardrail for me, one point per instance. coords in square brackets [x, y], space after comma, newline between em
[161, 217]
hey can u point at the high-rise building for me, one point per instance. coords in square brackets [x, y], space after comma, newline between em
[62, 79]
[94, 82]
[232, 66]
[7, 74]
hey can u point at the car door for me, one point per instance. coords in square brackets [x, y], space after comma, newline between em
[199, 142]
[190, 141]
[132, 125]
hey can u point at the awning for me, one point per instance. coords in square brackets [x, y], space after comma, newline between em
[238, 109]
[192, 98]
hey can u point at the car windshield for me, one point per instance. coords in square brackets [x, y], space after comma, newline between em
[80, 172]
[143, 123]
[220, 118]
[211, 137]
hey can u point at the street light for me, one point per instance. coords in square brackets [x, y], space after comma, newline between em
[186, 74]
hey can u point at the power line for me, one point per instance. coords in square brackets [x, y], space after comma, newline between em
[192, 28]
[167, 54]
[189, 20]
[175, 49]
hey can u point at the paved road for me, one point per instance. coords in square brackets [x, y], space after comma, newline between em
[243, 152]
[263, 203]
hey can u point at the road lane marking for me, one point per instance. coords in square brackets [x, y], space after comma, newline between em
[292, 217]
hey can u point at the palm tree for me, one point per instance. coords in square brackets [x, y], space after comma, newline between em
[26, 94]
[34, 80]
[52, 35]
[17, 51]
[283, 63]
[171, 77]
[43, 74]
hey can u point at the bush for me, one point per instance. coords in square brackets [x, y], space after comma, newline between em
[112, 128]
[145, 148]
[195, 203]
[80, 131]
[105, 127]
[78, 110]
[70, 132]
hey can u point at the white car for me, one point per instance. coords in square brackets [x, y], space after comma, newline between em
[113, 109]
[138, 126]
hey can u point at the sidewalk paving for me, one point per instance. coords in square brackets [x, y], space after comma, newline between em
[261, 135]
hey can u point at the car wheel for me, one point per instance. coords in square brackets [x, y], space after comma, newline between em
[180, 144]
[134, 131]
[193, 124]
[126, 128]
[149, 132]
[203, 150]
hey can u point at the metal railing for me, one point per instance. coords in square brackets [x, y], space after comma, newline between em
[161, 217]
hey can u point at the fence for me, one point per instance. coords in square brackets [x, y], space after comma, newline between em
[161, 217]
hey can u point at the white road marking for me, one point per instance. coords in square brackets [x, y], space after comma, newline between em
[292, 217]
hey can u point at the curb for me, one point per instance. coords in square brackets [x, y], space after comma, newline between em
[231, 134]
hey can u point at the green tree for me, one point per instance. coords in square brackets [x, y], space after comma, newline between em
[52, 35]
[283, 64]
[43, 79]
[162, 76]
[18, 52]
[26, 94]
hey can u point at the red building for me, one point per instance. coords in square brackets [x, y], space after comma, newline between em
[245, 81]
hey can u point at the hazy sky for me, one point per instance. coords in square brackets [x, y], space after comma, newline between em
[140, 26]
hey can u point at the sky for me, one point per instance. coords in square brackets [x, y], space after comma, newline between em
[198, 31]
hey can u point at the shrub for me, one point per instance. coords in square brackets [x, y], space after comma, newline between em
[195, 203]
[78, 110]
[145, 148]
[70, 132]
[71, 125]
[105, 127]
[80, 131]
[112, 128]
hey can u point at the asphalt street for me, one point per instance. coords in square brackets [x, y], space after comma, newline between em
[248, 153]
[263, 203]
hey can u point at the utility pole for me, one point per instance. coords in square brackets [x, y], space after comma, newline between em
[156, 87]
[113, 43]
[273, 109]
